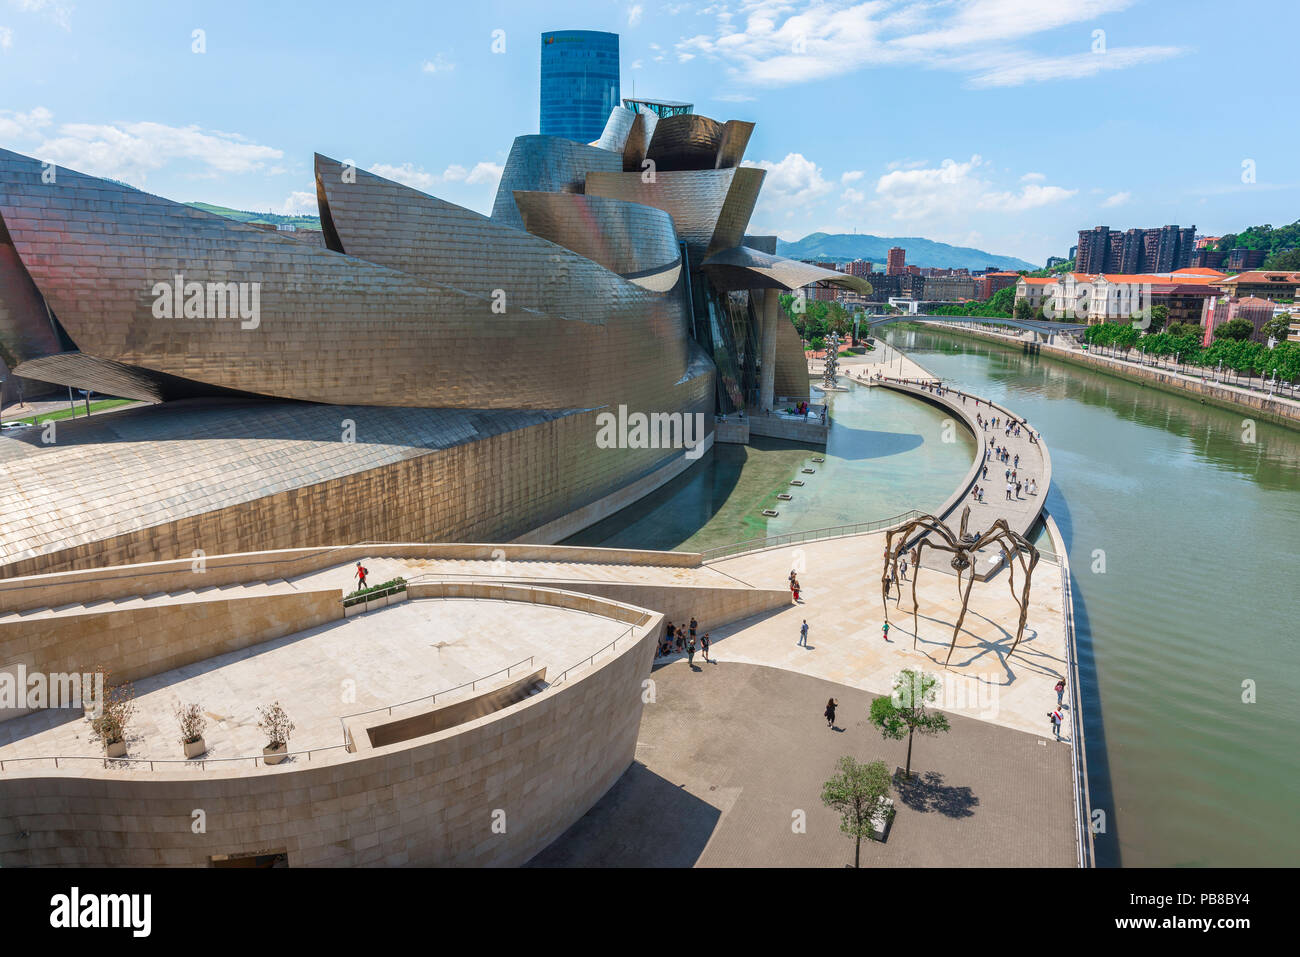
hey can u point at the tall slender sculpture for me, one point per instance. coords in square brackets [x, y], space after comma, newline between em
[1015, 549]
[831, 369]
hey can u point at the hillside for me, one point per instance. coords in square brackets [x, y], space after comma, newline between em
[243, 216]
[845, 247]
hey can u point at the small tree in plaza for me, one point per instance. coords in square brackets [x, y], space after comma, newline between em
[115, 713]
[275, 724]
[905, 713]
[858, 792]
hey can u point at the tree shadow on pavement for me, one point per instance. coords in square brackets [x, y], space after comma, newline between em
[926, 792]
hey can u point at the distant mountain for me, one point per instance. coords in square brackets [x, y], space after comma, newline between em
[846, 247]
[243, 216]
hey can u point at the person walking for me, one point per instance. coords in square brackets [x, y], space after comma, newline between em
[1008, 491]
[803, 634]
[902, 570]
[885, 631]
[360, 575]
[829, 713]
[690, 653]
[694, 625]
[704, 647]
[1060, 692]
[1056, 718]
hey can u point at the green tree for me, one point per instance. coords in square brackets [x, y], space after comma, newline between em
[905, 712]
[1159, 316]
[1023, 311]
[1288, 260]
[1185, 329]
[857, 791]
[1278, 327]
[1238, 330]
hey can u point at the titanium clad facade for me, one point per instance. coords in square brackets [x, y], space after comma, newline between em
[579, 88]
[547, 164]
[426, 374]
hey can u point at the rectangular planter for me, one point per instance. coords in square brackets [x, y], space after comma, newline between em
[115, 749]
[275, 755]
[194, 748]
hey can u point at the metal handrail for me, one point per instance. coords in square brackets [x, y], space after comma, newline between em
[201, 762]
[430, 697]
[172, 571]
[789, 538]
[592, 658]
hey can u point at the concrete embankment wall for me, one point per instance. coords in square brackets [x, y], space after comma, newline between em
[1270, 409]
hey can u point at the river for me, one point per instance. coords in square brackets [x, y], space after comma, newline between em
[1179, 519]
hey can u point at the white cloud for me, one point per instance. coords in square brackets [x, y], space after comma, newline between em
[407, 174]
[1118, 199]
[851, 176]
[130, 151]
[1032, 178]
[796, 177]
[780, 45]
[941, 196]
[634, 14]
[1016, 70]
[439, 64]
[418, 178]
[57, 11]
[637, 64]
[299, 203]
[852, 195]
[20, 125]
[6, 38]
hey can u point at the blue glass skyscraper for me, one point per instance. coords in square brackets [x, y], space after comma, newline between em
[579, 83]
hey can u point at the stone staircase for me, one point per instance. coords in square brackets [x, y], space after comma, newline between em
[210, 593]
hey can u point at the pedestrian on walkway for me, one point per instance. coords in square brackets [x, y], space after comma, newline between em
[704, 646]
[902, 569]
[1017, 490]
[830, 712]
[694, 625]
[1060, 692]
[803, 634]
[885, 630]
[1017, 462]
[1008, 491]
[361, 576]
[690, 653]
[1056, 719]
[794, 587]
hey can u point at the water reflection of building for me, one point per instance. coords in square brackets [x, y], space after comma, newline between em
[427, 373]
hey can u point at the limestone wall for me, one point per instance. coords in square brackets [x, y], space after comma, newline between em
[134, 643]
[532, 770]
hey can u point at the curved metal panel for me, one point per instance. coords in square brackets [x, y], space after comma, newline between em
[731, 146]
[791, 377]
[741, 267]
[628, 238]
[710, 208]
[547, 164]
[616, 129]
[638, 140]
[688, 141]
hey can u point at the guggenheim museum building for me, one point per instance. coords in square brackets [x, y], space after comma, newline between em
[421, 373]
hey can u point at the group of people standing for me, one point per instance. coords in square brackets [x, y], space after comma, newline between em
[682, 639]
[1055, 716]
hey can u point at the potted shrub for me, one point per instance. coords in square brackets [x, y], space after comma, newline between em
[114, 719]
[89, 704]
[191, 720]
[277, 727]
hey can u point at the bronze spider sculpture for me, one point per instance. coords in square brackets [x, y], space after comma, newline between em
[1015, 549]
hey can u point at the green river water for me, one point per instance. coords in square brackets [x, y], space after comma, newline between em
[1182, 523]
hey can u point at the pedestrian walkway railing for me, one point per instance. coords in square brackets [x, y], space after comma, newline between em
[590, 659]
[1078, 745]
[199, 762]
[816, 534]
[432, 698]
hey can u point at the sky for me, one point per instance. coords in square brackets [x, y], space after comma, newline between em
[1007, 125]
